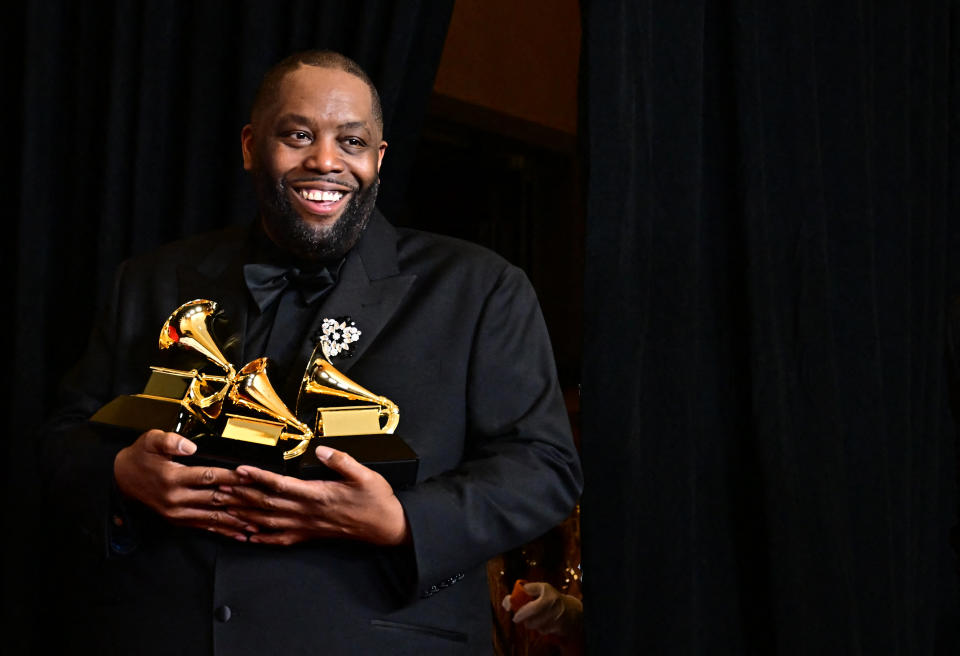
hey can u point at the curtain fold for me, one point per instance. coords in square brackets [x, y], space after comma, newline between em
[772, 222]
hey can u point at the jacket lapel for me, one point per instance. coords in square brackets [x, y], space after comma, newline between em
[369, 291]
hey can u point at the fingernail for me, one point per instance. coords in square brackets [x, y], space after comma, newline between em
[250, 529]
[240, 538]
[241, 471]
[226, 488]
[324, 453]
[186, 447]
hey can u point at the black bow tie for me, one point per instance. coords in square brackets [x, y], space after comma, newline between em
[267, 281]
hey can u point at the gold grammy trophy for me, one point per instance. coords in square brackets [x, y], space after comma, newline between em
[237, 417]
[364, 428]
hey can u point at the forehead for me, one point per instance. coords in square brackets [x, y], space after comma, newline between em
[322, 94]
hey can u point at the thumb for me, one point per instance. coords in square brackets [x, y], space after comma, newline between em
[543, 606]
[168, 444]
[535, 588]
[342, 463]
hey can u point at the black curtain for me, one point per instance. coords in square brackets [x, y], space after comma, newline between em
[772, 237]
[125, 119]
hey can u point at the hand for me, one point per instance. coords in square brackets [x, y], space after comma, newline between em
[551, 612]
[187, 496]
[284, 510]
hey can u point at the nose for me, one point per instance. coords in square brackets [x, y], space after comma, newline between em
[323, 156]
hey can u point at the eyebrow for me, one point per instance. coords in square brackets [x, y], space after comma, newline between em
[300, 118]
[354, 125]
[294, 118]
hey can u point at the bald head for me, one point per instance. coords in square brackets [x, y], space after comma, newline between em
[267, 93]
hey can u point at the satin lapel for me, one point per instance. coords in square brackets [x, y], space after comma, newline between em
[219, 277]
[370, 291]
[369, 303]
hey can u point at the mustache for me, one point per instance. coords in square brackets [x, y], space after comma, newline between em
[319, 178]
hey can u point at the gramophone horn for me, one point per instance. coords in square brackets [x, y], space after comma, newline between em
[189, 326]
[252, 389]
[322, 377]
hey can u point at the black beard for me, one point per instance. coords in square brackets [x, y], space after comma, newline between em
[307, 242]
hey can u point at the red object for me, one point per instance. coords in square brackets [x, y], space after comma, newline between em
[173, 334]
[519, 596]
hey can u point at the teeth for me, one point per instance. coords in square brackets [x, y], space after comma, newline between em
[318, 195]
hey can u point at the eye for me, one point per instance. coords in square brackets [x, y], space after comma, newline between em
[355, 142]
[298, 137]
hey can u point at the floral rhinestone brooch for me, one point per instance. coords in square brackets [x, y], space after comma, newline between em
[337, 335]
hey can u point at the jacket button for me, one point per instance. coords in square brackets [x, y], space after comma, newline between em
[222, 613]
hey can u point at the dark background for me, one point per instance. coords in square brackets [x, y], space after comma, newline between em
[772, 219]
[765, 207]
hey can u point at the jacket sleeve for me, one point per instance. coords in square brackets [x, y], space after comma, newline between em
[520, 473]
[76, 458]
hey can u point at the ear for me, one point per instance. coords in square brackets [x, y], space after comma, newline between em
[382, 148]
[246, 146]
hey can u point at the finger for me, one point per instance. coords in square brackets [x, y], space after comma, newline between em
[525, 613]
[531, 609]
[218, 497]
[239, 534]
[168, 444]
[506, 603]
[269, 520]
[284, 538]
[189, 500]
[535, 589]
[207, 518]
[225, 496]
[298, 522]
[243, 507]
[255, 498]
[240, 537]
[547, 618]
[277, 484]
[537, 602]
[343, 463]
[205, 477]
[228, 502]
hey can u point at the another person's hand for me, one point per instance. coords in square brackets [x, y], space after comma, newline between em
[284, 510]
[187, 496]
[550, 612]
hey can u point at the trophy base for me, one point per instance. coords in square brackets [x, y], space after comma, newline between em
[216, 451]
[140, 413]
[388, 455]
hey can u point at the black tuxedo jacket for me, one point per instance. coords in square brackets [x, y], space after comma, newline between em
[453, 334]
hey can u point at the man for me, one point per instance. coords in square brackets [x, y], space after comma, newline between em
[200, 560]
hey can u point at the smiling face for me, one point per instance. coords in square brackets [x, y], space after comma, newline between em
[315, 155]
